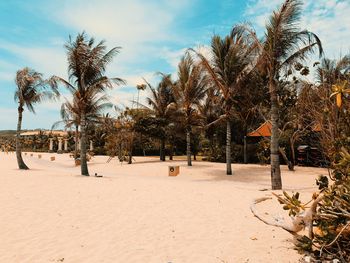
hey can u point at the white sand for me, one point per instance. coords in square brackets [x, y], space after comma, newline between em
[136, 213]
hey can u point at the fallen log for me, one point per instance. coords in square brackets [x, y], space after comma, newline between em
[297, 224]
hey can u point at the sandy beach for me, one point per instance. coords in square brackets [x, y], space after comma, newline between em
[136, 213]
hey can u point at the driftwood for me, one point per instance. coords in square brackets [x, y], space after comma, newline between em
[298, 222]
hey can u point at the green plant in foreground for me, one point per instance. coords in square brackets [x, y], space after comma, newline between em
[329, 235]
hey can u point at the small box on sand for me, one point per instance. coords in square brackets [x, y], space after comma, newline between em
[174, 170]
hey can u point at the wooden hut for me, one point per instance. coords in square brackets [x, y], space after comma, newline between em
[264, 130]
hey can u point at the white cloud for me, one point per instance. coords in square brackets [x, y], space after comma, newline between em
[124, 22]
[50, 61]
[134, 80]
[258, 11]
[329, 19]
[256, 7]
[126, 96]
[172, 56]
[139, 27]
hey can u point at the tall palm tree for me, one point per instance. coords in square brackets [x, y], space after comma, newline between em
[161, 104]
[189, 90]
[31, 90]
[285, 45]
[231, 62]
[87, 64]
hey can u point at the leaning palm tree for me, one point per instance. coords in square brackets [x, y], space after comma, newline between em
[31, 90]
[87, 64]
[230, 64]
[189, 90]
[161, 105]
[284, 46]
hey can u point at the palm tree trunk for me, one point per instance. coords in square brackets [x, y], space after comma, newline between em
[130, 157]
[84, 167]
[76, 141]
[162, 149]
[188, 141]
[130, 147]
[285, 158]
[292, 143]
[228, 148]
[20, 162]
[276, 181]
[171, 153]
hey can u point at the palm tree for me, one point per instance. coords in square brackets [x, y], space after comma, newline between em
[284, 46]
[332, 71]
[71, 117]
[161, 104]
[140, 87]
[31, 90]
[87, 81]
[210, 111]
[189, 90]
[333, 75]
[229, 65]
[70, 114]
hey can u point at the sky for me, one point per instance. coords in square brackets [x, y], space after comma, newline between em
[153, 34]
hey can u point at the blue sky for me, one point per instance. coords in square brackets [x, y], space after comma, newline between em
[153, 35]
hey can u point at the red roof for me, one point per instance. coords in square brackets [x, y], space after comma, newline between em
[263, 131]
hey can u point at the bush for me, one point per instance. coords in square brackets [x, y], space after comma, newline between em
[329, 235]
[332, 221]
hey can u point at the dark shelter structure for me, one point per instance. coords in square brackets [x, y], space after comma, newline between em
[263, 131]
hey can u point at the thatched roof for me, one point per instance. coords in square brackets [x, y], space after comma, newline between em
[264, 130]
